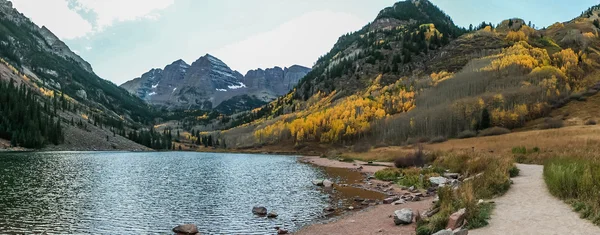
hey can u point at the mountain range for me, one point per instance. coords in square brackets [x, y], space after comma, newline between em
[208, 82]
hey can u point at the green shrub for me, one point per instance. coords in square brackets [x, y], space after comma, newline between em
[480, 219]
[388, 174]
[414, 159]
[552, 123]
[494, 131]
[519, 150]
[535, 150]
[466, 134]
[575, 180]
[513, 171]
[439, 139]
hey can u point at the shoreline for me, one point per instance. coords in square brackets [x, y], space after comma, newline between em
[375, 219]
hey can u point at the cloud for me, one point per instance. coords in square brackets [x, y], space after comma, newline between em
[110, 11]
[299, 41]
[65, 17]
[88, 48]
[56, 16]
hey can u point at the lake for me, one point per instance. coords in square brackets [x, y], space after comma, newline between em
[149, 193]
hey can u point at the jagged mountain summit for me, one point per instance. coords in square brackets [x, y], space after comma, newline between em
[208, 82]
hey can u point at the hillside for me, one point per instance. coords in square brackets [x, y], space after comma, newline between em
[60, 94]
[209, 84]
[412, 76]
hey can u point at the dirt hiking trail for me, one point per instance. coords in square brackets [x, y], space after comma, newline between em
[528, 208]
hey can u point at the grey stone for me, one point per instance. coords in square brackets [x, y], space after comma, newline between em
[259, 210]
[186, 229]
[403, 216]
[389, 200]
[444, 232]
[438, 180]
[318, 182]
[327, 183]
[399, 202]
[461, 231]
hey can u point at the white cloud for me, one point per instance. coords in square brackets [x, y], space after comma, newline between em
[110, 11]
[56, 16]
[299, 41]
[88, 48]
[67, 23]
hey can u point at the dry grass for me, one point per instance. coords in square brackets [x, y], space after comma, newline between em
[384, 154]
[566, 141]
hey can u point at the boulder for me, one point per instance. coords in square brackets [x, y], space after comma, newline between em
[282, 231]
[399, 202]
[461, 231]
[317, 182]
[438, 180]
[359, 199]
[404, 216]
[259, 210]
[329, 209]
[456, 220]
[327, 183]
[272, 214]
[186, 229]
[389, 200]
[444, 232]
[451, 175]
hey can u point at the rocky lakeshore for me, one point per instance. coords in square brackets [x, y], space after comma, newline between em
[374, 218]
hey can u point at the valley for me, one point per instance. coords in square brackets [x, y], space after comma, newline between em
[450, 127]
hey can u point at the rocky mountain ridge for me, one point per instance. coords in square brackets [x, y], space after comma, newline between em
[208, 82]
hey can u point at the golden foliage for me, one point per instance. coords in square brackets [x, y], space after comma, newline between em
[348, 118]
[441, 76]
[566, 59]
[521, 55]
[516, 36]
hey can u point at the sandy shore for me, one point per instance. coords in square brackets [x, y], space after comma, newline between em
[325, 162]
[373, 220]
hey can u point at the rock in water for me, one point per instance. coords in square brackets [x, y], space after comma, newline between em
[282, 231]
[186, 229]
[404, 216]
[317, 182]
[259, 210]
[327, 183]
[272, 214]
[456, 219]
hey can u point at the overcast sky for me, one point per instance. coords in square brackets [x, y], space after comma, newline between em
[124, 38]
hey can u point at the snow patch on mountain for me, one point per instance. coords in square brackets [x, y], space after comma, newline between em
[233, 87]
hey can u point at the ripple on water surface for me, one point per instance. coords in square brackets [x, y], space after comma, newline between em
[116, 193]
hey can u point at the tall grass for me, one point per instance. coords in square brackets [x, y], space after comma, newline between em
[493, 180]
[577, 181]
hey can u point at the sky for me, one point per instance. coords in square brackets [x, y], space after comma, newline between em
[123, 39]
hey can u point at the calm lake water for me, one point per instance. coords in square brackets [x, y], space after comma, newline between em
[147, 193]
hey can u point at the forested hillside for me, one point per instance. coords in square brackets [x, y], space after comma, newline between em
[412, 76]
[51, 96]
